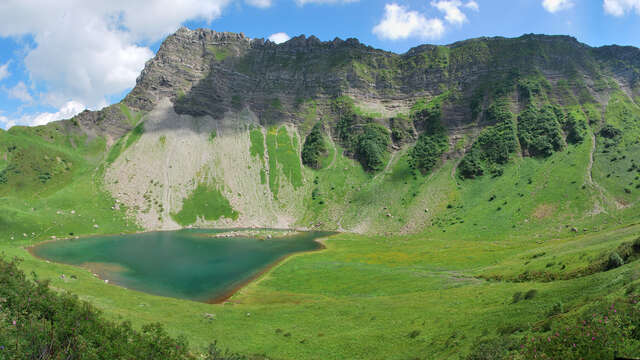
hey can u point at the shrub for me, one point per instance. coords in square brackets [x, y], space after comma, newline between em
[401, 129]
[530, 294]
[314, 147]
[558, 308]
[610, 132]
[433, 141]
[539, 131]
[615, 261]
[603, 333]
[373, 146]
[494, 145]
[39, 323]
[427, 151]
[575, 127]
[516, 297]
[491, 349]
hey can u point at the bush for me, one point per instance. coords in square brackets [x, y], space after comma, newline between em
[615, 261]
[494, 145]
[427, 151]
[37, 323]
[530, 294]
[516, 297]
[575, 127]
[539, 131]
[401, 129]
[558, 308]
[491, 349]
[373, 146]
[604, 333]
[433, 141]
[610, 132]
[314, 147]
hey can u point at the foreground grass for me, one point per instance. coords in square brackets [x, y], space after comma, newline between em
[367, 297]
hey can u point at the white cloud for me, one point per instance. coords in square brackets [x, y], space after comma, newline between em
[400, 23]
[4, 71]
[554, 6]
[68, 110]
[5, 122]
[621, 7]
[451, 10]
[263, 4]
[20, 92]
[472, 5]
[303, 2]
[279, 37]
[86, 51]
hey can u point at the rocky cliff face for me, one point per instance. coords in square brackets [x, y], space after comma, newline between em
[206, 72]
[223, 111]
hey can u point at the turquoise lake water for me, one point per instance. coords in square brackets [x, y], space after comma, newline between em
[186, 264]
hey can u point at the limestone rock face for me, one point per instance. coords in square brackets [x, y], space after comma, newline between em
[205, 72]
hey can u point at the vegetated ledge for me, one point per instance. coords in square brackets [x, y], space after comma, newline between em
[625, 253]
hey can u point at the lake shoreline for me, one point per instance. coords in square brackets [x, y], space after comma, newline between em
[218, 299]
[228, 294]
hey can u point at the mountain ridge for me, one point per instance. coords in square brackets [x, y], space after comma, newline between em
[382, 114]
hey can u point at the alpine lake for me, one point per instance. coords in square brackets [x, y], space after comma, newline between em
[195, 264]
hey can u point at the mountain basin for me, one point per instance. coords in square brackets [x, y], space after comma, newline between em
[195, 264]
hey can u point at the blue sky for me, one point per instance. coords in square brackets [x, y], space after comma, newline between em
[58, 58]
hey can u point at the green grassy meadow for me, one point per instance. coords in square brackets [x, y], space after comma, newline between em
[455, 278]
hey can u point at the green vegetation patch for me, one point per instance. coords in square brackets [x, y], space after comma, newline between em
[218, 52]
[115, 151]
[60, 323]
[314, 147]
[494, 145]
[402, 129]
[575, 126]
[133, 117]
[287, 157]
[283, 158]
[539, 130]
[205, 202]
[433, 141]
[257, 142]
[364, 138]
[134, 135]
[372, 148]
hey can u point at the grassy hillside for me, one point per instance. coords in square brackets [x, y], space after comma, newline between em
[476, 213]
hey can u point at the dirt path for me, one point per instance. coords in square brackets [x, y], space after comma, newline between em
[454, 169]
[386, 168]
[335, 154]
[603, 198]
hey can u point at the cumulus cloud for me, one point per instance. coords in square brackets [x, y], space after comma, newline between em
[68, 110]
[303, 2]
[85, 51]
[399, 22]
[6, 123]
[4, 71]
[451, 10]
[20, 92]
[263, 4]
[621, 7]
[472, 5]
[554, 6]
[279, 37]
